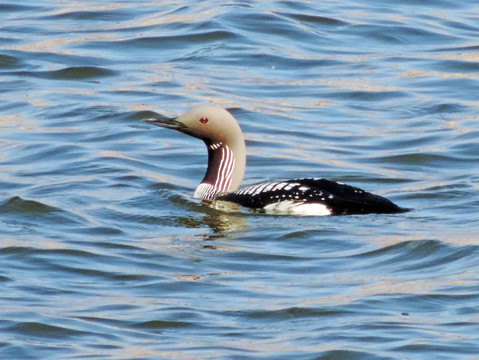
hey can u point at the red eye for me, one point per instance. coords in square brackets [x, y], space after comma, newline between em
[204, 120]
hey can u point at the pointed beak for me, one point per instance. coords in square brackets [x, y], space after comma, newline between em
[169, 123]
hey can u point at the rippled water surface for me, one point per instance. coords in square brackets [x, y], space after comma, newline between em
[105, 254]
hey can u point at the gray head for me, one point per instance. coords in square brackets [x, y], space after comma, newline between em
[226, 148]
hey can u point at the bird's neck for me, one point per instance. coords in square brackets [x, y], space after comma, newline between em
[226, 165]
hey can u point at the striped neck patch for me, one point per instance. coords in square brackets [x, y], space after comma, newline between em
[220, 173]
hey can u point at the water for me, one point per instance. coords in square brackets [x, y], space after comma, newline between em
[104, 254]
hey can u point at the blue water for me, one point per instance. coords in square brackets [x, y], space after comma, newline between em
[104, 254]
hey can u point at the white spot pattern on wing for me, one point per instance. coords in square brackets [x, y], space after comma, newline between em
[269, 186]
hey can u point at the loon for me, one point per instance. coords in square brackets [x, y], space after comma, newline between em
[224, 140]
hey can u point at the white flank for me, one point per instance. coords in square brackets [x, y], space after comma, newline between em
[298, 208]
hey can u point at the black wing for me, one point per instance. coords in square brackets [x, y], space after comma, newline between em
[341, 199]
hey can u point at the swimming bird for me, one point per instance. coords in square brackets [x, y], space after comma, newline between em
[224, 141]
